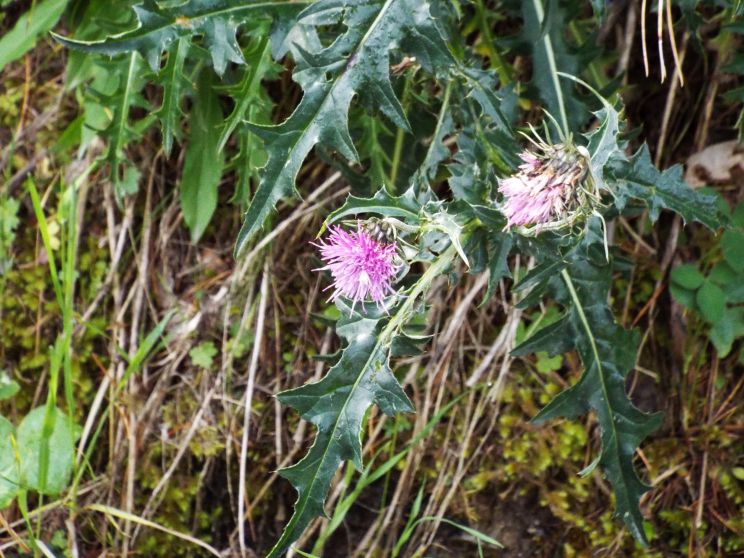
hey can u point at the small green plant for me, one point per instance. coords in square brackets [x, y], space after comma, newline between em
[718, 295]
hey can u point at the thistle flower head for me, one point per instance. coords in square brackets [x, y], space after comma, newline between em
[362, 267]
[546, 191]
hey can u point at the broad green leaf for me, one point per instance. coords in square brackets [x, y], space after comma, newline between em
[727, 329]
[217, 21]
[8, 386]
[336, 405]
[203, 161]
[732, 243]
[9, 470]
[638, 178]
[61, 451]
[711, 301]
[608, 352]
[40, 18]
[687, 276]
[685, 297]
[356, 63]
[724, 275]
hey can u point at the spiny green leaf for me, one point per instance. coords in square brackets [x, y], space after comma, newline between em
[129, 75]
[608, 352]
[553, 339]
[357, 62]
[603, 143]
[638, 178]
[169, 112]
[247, 92]
[406, 206]
[499, 248]
[336, 405]
[158, 27]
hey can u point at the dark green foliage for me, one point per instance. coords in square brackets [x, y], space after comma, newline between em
[608, 353]
[337, 405]
[441, 190]
[717, 296]
[356, 63]
[638, 178]
[158, 28]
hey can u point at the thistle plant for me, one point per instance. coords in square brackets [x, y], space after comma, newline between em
[469, 199]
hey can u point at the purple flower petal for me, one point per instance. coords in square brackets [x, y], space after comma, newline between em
[360, 266]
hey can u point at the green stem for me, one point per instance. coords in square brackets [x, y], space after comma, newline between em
[502, 68]
[553, 68]
[435, 270]
[399, 137]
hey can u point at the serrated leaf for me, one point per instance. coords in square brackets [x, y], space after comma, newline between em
[603, 142]
[553, 339]
[638, 178]
[247, 91]
[405, 207]
[437, 152]
[158, 28]
[119, 132]
[169, 112]
[357, 62]
[499, 248]
[203, 161]
[336, 405]
[608, 352]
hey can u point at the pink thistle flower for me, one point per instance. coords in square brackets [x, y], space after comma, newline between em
[361, 266]
[544, 190]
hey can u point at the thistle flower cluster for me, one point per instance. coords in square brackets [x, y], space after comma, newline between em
[362, 267]
[546, 191]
